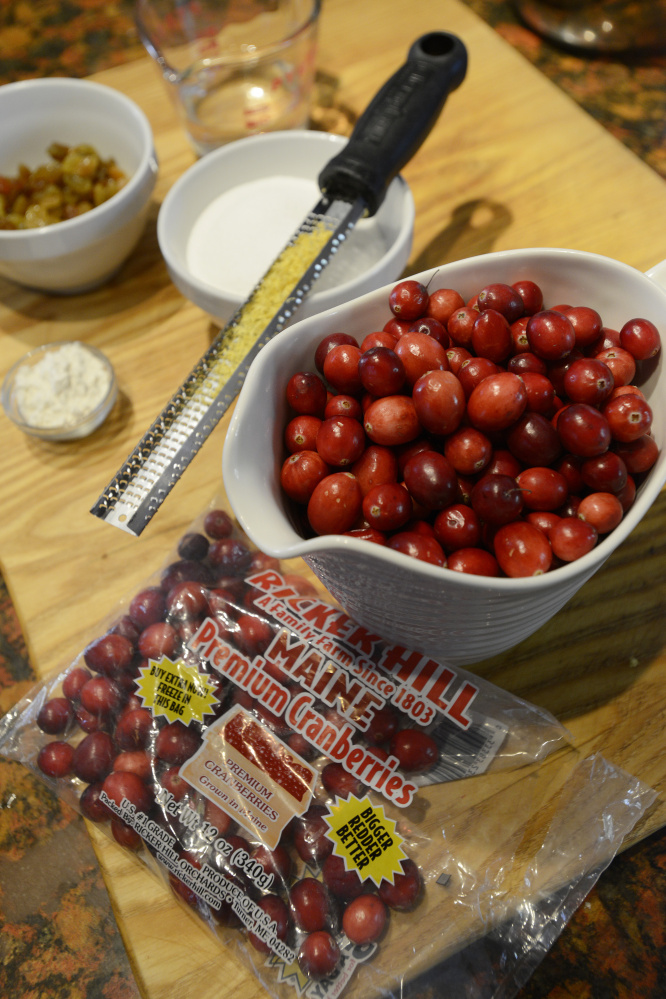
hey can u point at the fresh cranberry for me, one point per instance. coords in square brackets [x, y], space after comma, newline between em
[157, 640]
[93, 757]
[521, 549]
[110, 655]
[121, 785]
[392, 419]
[461, 325]
[473, 371]
[306, 393]
[176, 743]
[217, 524]
[431, 480]
[55, 716]
[641, 338]
[602, 510]
[341, 369]
[318, 955]
[491, 336]
[418, 546]
[73, 683]
[147, 607]
[344, 884]
[629, 417]
[583, 430]
[56, 759]
[406, 889]
[343, 405]
[364, 919]
[497, 402]
[135, 761]
[457, 526]
[620, 362]
[439, 401]
[415, 750]
[408, 299]
[638, 455]
[276, 862]
[376, 466]
[587, 324]
[443, 302]
[387, 507]
[300, 434]
[475, 561]
[543, 488]
[340, 782]
[328, 343]
[301, 473]
[310, 904]
[468, 450]
[571, 538]
[550, 335]
[193, 546]
[309, 835]
[418, 354]
[497, 499]
[91, 804]
[340, 441]
[125, 835]
[531, 295]
[384, 723]
[606, 472]
[335, 504]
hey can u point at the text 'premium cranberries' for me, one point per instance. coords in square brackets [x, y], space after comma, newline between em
[499, 436]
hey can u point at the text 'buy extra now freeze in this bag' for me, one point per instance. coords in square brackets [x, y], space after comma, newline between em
[343, 813]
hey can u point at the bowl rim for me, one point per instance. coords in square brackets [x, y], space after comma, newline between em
[241, 147]
[336, 544]
[101, 215]
[53, 433]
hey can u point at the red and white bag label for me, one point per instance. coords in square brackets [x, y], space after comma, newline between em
[252, 775]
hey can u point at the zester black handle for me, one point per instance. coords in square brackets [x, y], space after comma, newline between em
[397, 121]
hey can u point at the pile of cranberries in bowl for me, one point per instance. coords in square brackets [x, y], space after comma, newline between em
[498, 435]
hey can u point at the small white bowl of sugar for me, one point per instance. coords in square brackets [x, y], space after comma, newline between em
[61, 391]
[228, 217]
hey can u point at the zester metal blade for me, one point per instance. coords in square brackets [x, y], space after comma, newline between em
[157, 462]
[353, 183]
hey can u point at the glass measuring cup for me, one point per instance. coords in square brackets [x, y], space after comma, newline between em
[233, 67]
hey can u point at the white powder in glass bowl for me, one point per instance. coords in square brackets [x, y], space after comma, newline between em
[62, 387]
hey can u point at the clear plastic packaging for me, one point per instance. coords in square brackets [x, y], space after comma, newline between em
[344, 813]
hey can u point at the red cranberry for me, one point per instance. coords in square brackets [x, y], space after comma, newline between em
[55, 716]
[93, 757]
[56, 759]
[364, 919]
[310, 904]
[344, 884]
[111, 654]
[125, 784]
[415, 750]
[277, 910]
[318, 955]
[405, 891]
[176, 742]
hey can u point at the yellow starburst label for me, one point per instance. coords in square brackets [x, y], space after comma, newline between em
[366, 839]
[176, 691]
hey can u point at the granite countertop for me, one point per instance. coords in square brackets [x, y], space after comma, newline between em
[67, 944]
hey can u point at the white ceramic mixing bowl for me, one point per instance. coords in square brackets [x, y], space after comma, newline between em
[452, 616]
[225, 220]
[80, 253]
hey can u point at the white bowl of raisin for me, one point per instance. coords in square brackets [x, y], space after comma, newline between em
[77, 171]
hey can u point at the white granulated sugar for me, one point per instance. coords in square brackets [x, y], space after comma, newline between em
[62, 387]
[237, 237]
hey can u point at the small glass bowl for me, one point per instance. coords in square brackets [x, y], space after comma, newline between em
[70, 430]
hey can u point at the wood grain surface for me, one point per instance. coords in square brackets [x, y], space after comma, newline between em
[511, 163]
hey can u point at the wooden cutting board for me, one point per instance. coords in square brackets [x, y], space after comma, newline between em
[511, 163]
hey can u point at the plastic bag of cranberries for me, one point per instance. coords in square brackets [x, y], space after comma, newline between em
[346, 814]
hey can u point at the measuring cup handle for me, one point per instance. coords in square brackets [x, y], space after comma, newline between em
[397, 121]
